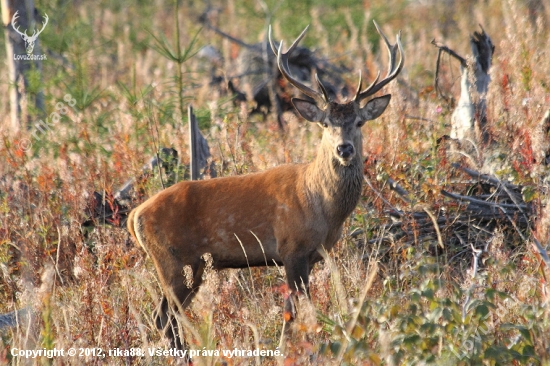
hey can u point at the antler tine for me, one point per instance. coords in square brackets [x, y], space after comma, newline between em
[358, 92]
[273, 48]
[359, 86]
[393, 71]
[282, 63]
[322, 87]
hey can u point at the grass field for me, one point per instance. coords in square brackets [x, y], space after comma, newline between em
[121, 94]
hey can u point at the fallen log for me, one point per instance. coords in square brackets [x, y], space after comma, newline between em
[471, 216]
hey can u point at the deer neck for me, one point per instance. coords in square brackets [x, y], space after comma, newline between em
[333, 186]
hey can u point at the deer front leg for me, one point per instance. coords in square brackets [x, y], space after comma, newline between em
[297, 274]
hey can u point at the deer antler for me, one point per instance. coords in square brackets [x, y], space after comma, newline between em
[321, 99]
[13, 19]
[43, 26]
[24, 34]
[393, 71]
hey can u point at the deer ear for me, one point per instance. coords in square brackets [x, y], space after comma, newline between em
[308, 110]
[375, 107]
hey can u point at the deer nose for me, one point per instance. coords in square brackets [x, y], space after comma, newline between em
[345, 150]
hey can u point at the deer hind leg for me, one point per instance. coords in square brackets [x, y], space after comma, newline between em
[165, 321]
[177, 297]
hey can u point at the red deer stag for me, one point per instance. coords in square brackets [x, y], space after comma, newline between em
[281, 216]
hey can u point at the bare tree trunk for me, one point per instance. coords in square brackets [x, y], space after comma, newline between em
[199, 151]
[19, 69]
[469, 119]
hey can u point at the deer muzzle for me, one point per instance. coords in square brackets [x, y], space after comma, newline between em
[345, 151]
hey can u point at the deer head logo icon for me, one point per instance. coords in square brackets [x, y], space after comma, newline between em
[29, 40]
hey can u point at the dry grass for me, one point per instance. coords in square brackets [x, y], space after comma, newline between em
[98, 289]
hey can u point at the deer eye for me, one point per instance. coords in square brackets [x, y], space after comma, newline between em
[325, 125]
[360, 123]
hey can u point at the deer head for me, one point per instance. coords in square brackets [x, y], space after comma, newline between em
[341, 122]
[29, 40]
